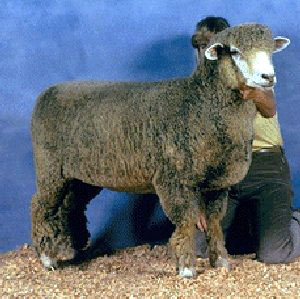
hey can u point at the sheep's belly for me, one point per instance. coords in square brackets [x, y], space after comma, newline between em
[118, 183]
[142, 189]
[117, 174]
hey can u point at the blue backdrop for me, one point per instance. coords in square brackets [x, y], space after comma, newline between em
[44, 42]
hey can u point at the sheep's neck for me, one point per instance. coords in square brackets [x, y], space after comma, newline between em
[212, 88]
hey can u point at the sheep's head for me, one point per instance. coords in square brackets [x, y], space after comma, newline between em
[248, 48]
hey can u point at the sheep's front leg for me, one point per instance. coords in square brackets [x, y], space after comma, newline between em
[216, 205]
[183, 246]
[180, 205]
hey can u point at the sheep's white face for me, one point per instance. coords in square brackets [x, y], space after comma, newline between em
[255, 65]
[256, 68]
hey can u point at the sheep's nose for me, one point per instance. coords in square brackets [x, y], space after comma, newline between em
[269, 77]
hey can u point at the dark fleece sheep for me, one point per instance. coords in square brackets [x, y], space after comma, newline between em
[187, 140]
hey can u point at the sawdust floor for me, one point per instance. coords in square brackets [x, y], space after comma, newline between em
[142, 272]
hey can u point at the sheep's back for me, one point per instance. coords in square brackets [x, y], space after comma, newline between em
[105, 131]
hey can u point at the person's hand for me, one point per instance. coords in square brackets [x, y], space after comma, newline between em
[201, 222]
[263, 99]
[253, 93]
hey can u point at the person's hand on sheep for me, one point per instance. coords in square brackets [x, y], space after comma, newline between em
[263, 99]
[201, 222]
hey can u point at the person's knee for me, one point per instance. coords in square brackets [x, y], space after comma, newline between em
[269, 257]
[282, 250]
[275, 254]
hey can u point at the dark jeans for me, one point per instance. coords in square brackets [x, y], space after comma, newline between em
[259, 218]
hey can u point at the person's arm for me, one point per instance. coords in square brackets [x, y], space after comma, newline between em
[263, 99]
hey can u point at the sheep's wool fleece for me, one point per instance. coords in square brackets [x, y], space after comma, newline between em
[176, 138]
[243, 37]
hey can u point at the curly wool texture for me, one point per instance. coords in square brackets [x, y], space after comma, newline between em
[176, 138]
[246, 36]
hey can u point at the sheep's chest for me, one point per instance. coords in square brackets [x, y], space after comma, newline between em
[227, 152]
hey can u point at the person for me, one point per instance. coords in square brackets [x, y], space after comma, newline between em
[259, 217]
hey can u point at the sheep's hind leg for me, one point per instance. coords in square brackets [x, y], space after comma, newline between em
[216, 205]
[58, 221]
[180, 205]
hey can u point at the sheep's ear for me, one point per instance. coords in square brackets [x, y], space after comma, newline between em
[211, 52]
[280, 43]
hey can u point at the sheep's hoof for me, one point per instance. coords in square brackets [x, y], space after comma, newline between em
[222, 263]
[187, 272]
[50, 264]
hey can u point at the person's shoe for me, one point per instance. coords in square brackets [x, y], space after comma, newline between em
[296, 214]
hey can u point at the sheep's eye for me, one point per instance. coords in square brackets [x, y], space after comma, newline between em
[234, 52]
[203, 46]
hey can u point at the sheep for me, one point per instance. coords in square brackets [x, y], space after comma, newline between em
[187, 140]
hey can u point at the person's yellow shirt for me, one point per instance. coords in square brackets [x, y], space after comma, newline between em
[267, 132]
